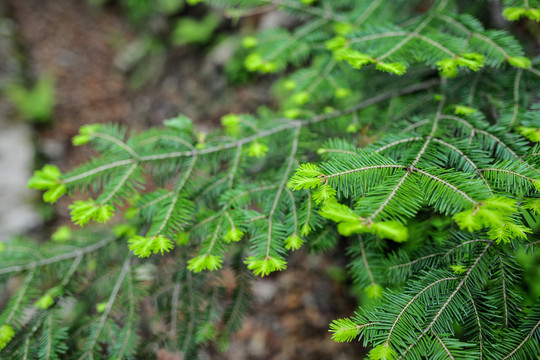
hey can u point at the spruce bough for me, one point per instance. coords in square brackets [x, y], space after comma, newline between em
[412, 138]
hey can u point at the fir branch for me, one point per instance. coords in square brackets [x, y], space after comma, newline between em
[447, 302]
[390, 196]
[117, 142]
[99, 169]
[413, 299]
[120, 184]
[504, 291]
[20, 296]
[365, 261]
[516, 97]
[529, 335]
[293, 210]
[443, 345]
[465, 243]
[368, 12]
[414, 261]
[397, 142]
[73, 254]
[280, 189]
[324, 15]
[325, 177]
[477, 316]
[112, 298]
[414, 126]
[445, 183]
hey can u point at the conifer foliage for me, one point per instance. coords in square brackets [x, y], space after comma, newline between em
[408, 132]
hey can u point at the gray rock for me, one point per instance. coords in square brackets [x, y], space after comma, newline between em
[17, 214]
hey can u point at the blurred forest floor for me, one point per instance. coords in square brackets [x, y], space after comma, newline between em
[79, 45]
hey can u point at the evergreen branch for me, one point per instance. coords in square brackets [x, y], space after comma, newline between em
[445, 183]
[58, 258]
[20, 296]
[443, 345]
[453, 148]
[214, 237]
[329, 67]
[212, 187]
[293, 209]
[280, 189]
[413, 299]
[491, 43]
[460, 120]
[447, 302]
[366, 168]
[221, 147]
[477, 35]
[516, 97]
[235, 165]
[500, 142]
[463, 244]
[491, 136]
[99, 169]
[131, 312]
[379, 36]
[217, 188]
[414, 126]
[120, 184]
[473, 165]
[390, 197]
[509, 172]
[365, 261]
[529, 335]
[503, 280]
[178, 188]
[260, 217]
[473, 89]
[420, 102]
[308, 10]
[477, 315]
[71, 271]
[167, 137]
[338, 151]
[375, 100]
[49, 338]
[397, 142]
[416, 31]
[116, 141]
[105, 315]
[431, 134]
[229, 218]
[290, 125]
[367, 12]
[227, 204]
[533, 243]
[534, 71]
[306, 223]
[435, 44]
[156, 200]
[414, 261]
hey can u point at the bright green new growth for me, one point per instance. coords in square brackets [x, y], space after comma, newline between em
[430, 180]
[6, 334]
[48, 179]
